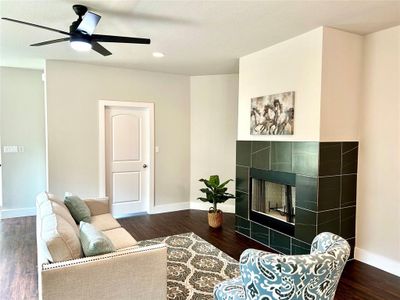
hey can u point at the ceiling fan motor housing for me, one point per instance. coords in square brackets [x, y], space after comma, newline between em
[81, 38]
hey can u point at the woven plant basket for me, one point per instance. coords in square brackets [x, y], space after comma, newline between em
[215, 219]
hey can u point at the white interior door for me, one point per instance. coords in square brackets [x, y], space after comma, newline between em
[127, 159]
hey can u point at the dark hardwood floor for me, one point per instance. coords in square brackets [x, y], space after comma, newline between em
[18, 254]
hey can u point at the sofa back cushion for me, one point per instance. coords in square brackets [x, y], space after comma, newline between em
[54, 207]
[44, 196]
[60, 238]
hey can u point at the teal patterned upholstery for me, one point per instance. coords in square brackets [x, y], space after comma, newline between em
[268, 276]
[230, 290]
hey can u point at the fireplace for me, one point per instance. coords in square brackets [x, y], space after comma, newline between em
[320, 178]
[273, 199]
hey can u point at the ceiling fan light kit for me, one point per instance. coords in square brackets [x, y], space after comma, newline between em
[158, 54]
[80, 44]
[81, 35]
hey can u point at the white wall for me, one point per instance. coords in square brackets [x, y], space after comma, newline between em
[378, 194]
[293, 65]
[22, 124]
[213, 111]
[341, 85]
[73, 91]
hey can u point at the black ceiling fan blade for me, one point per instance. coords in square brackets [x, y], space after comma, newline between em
[89, 23]
[100, 49]
[119, 39]
[51, 42]
[38, 26]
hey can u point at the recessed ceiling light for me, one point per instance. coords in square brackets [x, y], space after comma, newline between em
[158, 54]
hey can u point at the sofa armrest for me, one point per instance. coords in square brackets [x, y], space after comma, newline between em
[98, 206]
[137, 273]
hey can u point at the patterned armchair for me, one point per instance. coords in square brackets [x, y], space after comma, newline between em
[267, 276]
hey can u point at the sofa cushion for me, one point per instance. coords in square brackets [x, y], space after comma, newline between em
[97, 206]
[120, 238]
[41, 198]
[60, 238]
[50, 206]
[44, 196]
[104, 222]
[54, 198]
[94, 242]
[78, 208]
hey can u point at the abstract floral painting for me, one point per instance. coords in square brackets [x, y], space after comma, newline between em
[272, 114]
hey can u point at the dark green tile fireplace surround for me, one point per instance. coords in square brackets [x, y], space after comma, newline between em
[326, 180]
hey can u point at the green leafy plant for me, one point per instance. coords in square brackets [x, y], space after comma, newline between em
[215, 192]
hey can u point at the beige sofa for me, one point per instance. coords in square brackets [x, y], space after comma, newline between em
[131, 272]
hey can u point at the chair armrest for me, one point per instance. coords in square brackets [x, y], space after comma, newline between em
[275, 275]
[98, 206]
[137, 273]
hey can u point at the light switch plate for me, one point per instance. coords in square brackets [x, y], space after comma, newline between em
[157, 149]
[13, 149]
[10, 149]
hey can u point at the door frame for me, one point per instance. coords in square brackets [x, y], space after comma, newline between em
[102, 106]
[1, 178]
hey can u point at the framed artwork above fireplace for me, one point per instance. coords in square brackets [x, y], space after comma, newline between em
[272, 114]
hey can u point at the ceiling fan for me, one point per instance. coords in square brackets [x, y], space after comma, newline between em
[81, 35]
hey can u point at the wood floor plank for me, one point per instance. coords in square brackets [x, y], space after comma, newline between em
[18, 277]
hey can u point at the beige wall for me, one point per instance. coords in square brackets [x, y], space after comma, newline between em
[213, 118]
[293, 65]
[73, 91]
[324, 68]
[378, 194]
[22, 124]
[341, 85]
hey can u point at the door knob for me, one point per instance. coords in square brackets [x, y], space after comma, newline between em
[144, 166]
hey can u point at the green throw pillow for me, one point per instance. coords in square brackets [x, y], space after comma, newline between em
[94, 242]
[78, 208]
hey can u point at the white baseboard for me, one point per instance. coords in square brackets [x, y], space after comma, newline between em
[17, 212]
[228, 208]
[122, 216]
[378, 261]
[163, 208]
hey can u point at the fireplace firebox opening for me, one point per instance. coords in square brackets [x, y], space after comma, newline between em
[273, 199]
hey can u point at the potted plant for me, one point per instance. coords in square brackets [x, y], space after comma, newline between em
[215, 193]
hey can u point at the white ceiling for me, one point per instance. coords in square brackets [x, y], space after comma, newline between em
[197, 37]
